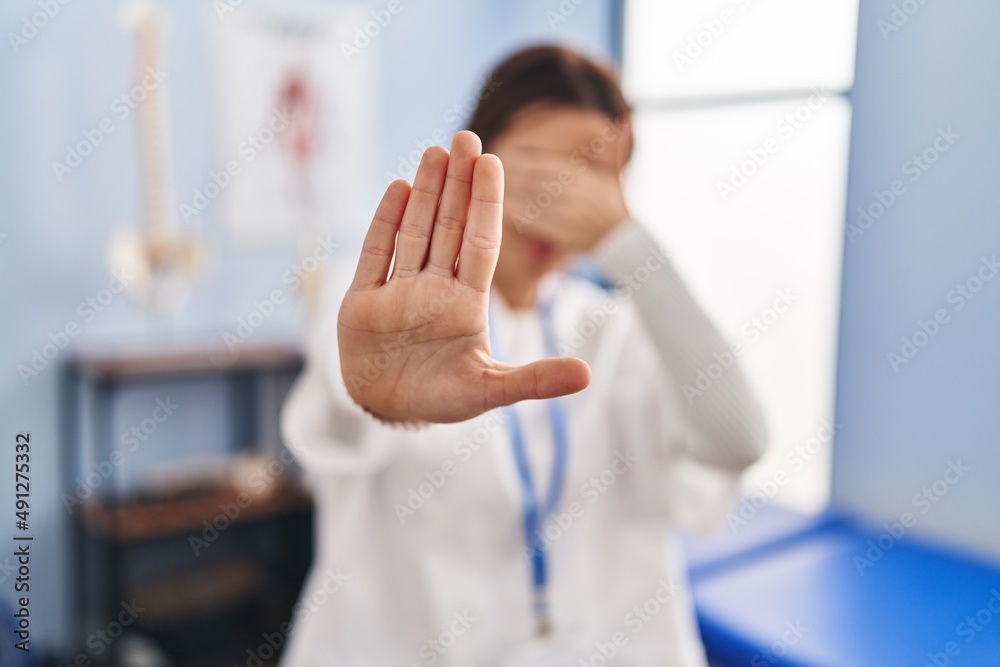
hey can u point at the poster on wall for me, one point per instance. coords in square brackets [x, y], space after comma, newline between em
[295, 139]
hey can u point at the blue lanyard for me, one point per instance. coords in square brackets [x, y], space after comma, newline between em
[534, 514]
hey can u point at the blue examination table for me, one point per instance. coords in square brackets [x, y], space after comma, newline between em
[833, 592]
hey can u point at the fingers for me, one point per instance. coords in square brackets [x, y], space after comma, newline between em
[481, 241]
[469, 187]
[454, 209]
[380, 242]
[418, 220]
[547, 378]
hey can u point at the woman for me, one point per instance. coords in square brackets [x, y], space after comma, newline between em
[460, 531]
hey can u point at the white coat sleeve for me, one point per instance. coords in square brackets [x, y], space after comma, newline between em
[725, 423]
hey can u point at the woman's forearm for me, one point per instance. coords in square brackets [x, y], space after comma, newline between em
[726, 420]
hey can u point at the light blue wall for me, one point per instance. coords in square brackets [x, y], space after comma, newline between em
[900, 429]
[52, 257]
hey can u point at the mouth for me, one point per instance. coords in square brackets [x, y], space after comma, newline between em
[538, 250]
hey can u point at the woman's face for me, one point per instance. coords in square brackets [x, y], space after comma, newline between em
[561, 164]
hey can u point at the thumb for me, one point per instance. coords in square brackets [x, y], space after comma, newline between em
[547, 378]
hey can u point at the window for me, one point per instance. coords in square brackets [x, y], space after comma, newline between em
[742, 129]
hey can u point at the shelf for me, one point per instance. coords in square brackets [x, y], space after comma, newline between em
[125, 362]
[211, 590]
[134, 521]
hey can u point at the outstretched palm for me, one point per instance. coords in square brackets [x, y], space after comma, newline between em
[414, 346]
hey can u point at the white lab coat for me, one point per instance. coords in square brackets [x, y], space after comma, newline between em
[420, 555]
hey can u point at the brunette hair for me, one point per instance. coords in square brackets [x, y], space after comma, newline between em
[546, 75]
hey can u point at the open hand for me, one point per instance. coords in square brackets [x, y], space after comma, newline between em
[414, 346]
